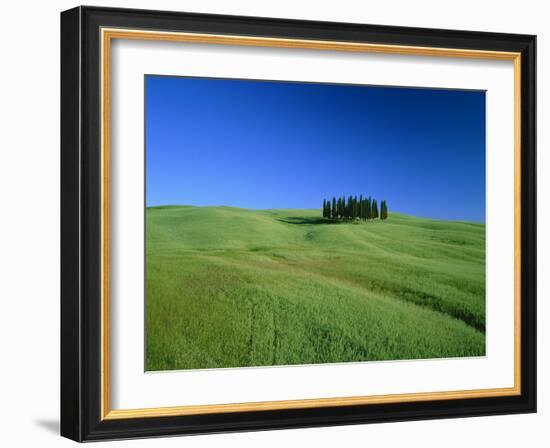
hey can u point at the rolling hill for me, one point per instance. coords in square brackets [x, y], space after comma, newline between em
[231, 287]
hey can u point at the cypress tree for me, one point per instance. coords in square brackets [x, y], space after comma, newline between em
[334, 211]
[328, 209]
[350, 207]
[344, 207]
[361, 206]
[374, 209]
[324, 208]
[384, 210]
[369, 208]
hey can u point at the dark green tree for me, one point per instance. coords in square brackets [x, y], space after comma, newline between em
[334, 210]
[343, 206]
[374, 209]
[369, 208]
[346, 208]
[383, 210]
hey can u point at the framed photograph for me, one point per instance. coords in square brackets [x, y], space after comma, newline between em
[275, 224]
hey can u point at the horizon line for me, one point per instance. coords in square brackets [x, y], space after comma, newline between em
[320, 209]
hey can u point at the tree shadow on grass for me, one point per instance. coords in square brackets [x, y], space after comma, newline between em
[301, 220]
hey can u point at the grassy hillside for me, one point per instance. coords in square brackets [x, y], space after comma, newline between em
[230, 287]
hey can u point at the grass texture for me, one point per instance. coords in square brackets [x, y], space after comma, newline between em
[231, 287]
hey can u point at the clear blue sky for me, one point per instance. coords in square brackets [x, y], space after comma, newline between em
[262, 144]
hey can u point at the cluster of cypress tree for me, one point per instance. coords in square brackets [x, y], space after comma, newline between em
[353, 208]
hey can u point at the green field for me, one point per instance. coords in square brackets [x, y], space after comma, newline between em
[231, 287]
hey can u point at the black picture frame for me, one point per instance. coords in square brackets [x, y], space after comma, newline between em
[81, 224]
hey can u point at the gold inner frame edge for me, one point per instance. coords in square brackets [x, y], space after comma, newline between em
[107, 34]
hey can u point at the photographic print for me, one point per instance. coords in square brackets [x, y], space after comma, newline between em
[275, 224]
[294, 223]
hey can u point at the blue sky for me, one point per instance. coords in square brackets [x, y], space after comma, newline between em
[263, 144]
